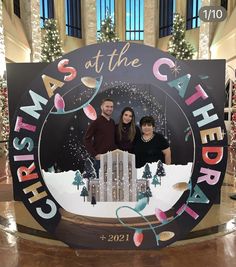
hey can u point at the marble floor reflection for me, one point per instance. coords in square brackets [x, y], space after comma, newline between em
[24, 243]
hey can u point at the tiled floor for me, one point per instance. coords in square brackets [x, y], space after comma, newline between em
[23, 242]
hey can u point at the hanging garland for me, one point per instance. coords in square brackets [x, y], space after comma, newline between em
[4, 116]
[233, 121]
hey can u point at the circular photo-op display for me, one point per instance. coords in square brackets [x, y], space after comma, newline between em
[118, 146]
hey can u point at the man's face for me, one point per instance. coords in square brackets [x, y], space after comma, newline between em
[107, 108]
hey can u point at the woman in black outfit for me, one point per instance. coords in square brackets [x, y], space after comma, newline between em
[126, 131]
[151, 146]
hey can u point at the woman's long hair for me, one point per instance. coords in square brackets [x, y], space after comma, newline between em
[132, 128]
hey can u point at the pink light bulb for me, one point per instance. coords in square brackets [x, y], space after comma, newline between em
[59, 103]
[161, 216]
[138, 238]
[90, 112]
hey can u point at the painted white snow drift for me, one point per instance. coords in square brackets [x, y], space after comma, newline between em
[164, 196]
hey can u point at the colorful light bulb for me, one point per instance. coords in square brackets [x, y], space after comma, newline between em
[90, 112]
[59, 103]
[138, 237]
[89, 82]
[161, 216]
[166, 235]
[141, 204]
[181, 186]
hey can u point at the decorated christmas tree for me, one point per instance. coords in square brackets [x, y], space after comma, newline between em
[4, 119]
[233, 122]
[147, 173]
[160, 172]
[78, 180]
[84, 192]
[178, 46]
[107, 33]
[51, 43]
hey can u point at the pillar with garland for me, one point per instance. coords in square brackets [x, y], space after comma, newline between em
[233, 121]
[107, 33]
[178, 46]
[51, 43]
[233, 126]
[4, 119]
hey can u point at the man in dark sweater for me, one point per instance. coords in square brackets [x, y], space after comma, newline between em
[100, 135]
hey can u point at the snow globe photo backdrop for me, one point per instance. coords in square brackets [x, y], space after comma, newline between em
[125, 207]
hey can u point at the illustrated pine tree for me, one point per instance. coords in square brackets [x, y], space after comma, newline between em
[155, 180]
[93, 201]
[84, 192]
[51, 42]
[160, 172]
[107, 32]
[148, 193]
[78, 179]
[177, 45]
[89, 171]
[147, 173]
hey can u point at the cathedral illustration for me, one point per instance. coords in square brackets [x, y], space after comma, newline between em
[117, 178]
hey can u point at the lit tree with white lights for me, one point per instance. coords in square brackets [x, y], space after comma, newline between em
[178, 46]
[107, 33]
[51, 43]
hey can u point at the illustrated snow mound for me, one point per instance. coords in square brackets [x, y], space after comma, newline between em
[164, 196]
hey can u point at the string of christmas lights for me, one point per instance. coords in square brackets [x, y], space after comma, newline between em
[160, 215]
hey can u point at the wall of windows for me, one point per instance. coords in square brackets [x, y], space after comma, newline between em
[166, 10]
[103, 8]
[128, 16]
[17, 7]
[192, 18]
[73, 18]
[134, 20]
[224, 3]
[46, 11]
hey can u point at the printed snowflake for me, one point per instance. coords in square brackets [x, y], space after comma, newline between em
[176, 69]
